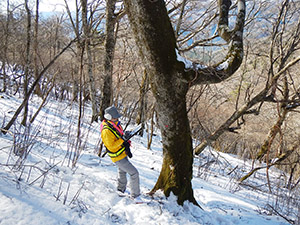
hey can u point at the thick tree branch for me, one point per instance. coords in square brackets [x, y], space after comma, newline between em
[200, 74]
[223, 29]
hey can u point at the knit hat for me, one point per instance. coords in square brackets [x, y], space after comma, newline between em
[111, 113]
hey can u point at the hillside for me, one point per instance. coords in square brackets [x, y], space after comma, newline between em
[43, 188]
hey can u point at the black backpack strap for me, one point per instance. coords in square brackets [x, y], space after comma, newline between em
[113, 128]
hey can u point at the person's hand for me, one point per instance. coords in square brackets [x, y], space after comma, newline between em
[126, 144]
[127, 134]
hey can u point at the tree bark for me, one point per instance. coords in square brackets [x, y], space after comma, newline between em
[76, 70]
[27, 62]
[142, 110]
[74, 85]
[87, 34]
[5, 48]
[170, 80]
[37, 90]
[107, 94]
[151, 129]
[276, 128]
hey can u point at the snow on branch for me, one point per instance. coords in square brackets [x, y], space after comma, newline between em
[187, 63]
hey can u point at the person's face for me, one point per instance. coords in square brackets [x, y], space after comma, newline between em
[114, 119]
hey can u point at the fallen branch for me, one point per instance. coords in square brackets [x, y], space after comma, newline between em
[44, 173]
[280, 159]
[279, 214]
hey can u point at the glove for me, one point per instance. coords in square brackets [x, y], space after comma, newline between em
[127, 134]
[126, 144]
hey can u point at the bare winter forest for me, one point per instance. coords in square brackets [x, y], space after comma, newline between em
[230, 68]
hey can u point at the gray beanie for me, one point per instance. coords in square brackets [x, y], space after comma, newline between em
[111, 113]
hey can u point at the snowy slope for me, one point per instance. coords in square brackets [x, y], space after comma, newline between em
[44, 189]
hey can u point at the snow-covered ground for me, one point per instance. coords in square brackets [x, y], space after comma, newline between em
[45, 189]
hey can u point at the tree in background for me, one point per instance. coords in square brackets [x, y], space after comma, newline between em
[27, 61]
[110, 40]
[37, 90]
[87, 40]
[4, 47]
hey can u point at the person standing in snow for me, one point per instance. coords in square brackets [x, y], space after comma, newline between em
[112, 136]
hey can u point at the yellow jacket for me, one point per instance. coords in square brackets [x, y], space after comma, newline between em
[111, 142]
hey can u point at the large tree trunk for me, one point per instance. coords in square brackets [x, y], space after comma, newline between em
[170, 79]
[107, 94]
[169, 92]
[176, 173]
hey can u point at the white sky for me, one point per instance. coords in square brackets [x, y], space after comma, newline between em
[55, 5]
[44, 6]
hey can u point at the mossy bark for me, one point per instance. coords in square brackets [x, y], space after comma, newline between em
[276, 128]
[176, 173]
